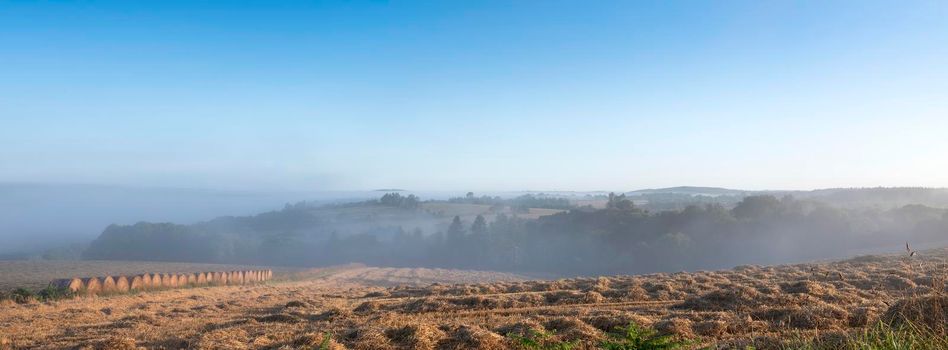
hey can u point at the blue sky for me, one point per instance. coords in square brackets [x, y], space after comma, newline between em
[491, 96]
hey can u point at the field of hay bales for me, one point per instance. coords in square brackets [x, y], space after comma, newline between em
[361, 307]
[37, 274]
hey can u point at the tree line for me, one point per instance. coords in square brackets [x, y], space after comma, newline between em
[620, 238]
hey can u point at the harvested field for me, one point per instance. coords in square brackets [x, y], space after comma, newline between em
[389, 308]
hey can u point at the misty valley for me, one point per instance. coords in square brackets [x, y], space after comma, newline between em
[550, 235]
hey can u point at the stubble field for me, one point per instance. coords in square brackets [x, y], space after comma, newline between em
[359, 307]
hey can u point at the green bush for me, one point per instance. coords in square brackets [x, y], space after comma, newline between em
[51, 293]
[22, 295]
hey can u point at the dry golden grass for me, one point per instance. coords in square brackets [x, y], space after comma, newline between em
[388, 308]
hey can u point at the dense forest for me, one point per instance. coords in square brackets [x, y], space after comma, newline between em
[615, 239]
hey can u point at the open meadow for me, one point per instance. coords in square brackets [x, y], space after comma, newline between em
[358, 307]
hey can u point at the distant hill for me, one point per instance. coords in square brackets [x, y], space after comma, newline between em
[878, 197]
[693, 190]
[291, 236]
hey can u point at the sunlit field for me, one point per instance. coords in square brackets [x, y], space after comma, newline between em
[357, 307]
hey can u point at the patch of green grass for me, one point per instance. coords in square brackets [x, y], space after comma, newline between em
[327, 340]
[634, 337]
[881, 336]
[539, 340]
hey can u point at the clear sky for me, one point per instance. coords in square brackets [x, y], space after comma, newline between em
[458, 95]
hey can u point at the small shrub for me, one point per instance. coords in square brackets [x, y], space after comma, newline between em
[633, 337]
[22, 295]
[51, 293]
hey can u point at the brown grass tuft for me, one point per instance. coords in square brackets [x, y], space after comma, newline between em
[711, 328]
[572, 328]
[472, 337]
[225, 338]
[929, 311]
[117, 343]
[420, 336]
[523, 328]
[731, 298]
[680, 327]
[315, 340]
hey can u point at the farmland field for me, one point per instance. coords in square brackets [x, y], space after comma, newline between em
[414, 308]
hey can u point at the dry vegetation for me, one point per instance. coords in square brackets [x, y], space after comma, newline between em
[375, 308]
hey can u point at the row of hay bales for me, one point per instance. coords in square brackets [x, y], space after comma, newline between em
[152, 281]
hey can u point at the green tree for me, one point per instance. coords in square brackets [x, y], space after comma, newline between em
[479, 227]
[619, 202]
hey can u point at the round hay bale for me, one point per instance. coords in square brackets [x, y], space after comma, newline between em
[240, 277]
[91, 285]
[146, 280]
[252, 276]
[184, 280]
[269, 274]
[136, 283]
[108, 284]
[70, 284]
[156, 281]
[169, 281]
[237, 277]
[248, 278]
[201, 278]
[221, 277]
[121, 284]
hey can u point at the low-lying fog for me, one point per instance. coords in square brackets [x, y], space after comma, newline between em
[566, 233]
